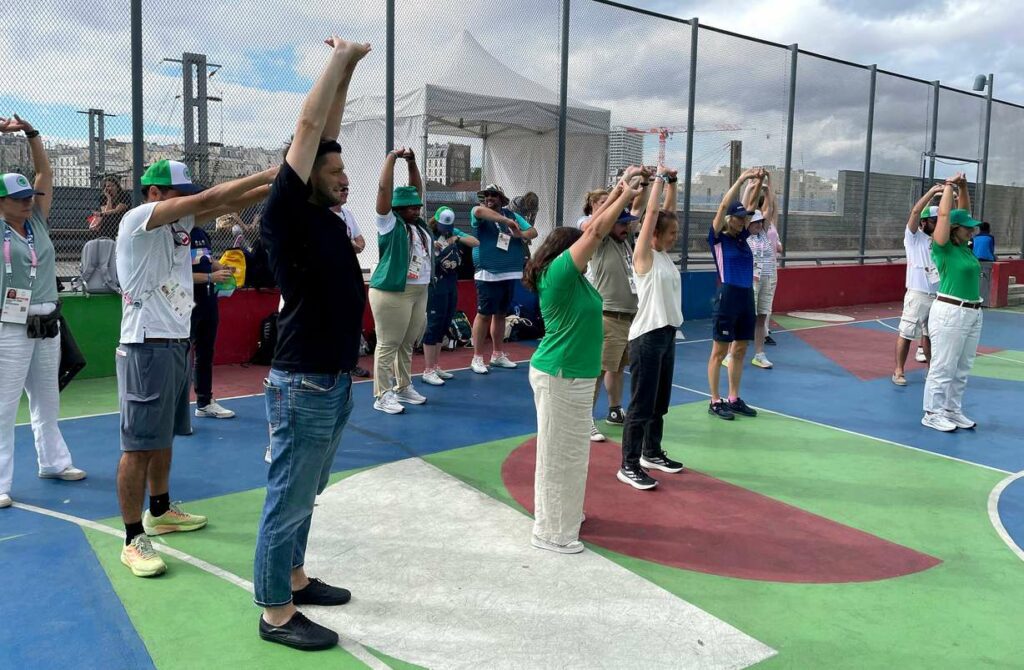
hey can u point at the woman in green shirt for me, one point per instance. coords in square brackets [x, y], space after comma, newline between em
[955, 318]
[563, 370]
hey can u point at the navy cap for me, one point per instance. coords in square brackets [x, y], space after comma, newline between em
[625, 217]
[737, 209]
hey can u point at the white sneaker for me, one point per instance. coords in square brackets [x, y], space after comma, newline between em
[68, 474]
[214, 411]
[443, 374]
[478, 365]
[266, 456]
[5, 500]
[595, 434]
[761, 361]
[502, 361]
[938, 422]
[959, 420]
[573, 547]
[919, 356]
[388, 403]
[431, 377]
[410, 395]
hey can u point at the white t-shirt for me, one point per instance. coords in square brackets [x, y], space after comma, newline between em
[386, 223]
[583, 219]
[919, 262]
[346, 215]
[660, 296]
[146, 261]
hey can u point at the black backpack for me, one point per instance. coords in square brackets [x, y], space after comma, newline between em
[268, 341]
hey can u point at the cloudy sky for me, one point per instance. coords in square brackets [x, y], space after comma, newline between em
[72, 54]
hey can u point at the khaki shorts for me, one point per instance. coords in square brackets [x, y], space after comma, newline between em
[914, 321]
[764, 294]
[615, 350]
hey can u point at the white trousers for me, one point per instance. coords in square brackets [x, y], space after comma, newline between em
[955, 332]
[32, 365]
[564, 413]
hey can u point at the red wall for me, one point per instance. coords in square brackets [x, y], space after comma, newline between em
[1001, 273]
[816, 287]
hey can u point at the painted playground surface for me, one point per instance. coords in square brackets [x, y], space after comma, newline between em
[833, 531]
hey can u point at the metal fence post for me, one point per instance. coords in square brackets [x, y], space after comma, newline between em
[563, 117]
[794, 51]
[688, 168]
[867, 166]
[138, 148]
[983, 181]
[389, 86]
[936, 87]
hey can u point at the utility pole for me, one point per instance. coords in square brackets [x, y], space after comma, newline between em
[194, 76]
[735, 160]
[97, 144]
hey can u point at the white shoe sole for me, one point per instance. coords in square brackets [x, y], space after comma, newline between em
[763, 366]
[407, 401]
[510, 366]
[6, 502]
[388, 410]
[571, 548]
[626, 480]
[598, 438]
[200, 414]
[654, 466]
[480, 371]
[439, 382]
[965, 426]
[925, 423]
[65, 478]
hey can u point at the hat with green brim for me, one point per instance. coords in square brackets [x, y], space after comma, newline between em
[961, 217]
[929, 212]
[17, 186]
[170, 174]
[406, 196]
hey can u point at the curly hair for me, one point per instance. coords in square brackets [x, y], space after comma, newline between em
[558, 241]
[591, 198]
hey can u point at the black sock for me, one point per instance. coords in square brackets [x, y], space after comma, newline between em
[158, 505]
[131, 530]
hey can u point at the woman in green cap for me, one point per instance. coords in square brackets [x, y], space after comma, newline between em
[443, 294]
[955, 319]
[398, 287]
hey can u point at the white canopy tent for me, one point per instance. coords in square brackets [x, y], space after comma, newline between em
[517, 121]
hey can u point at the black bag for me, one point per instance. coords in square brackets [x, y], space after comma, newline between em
[460, 331]
[71, 359]
[267, 342]
[257, 267]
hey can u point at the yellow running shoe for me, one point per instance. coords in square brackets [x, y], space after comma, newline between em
[141, 558]
[173, 520]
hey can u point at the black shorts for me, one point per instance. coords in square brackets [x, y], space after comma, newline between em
[494, 297]
[733, 314]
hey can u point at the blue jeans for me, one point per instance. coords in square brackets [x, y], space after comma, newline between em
[307, 413]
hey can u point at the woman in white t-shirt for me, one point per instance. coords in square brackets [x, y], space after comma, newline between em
[398, 287]
[592, 202]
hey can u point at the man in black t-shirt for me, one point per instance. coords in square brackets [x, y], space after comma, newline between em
[309, 387]
[206, 275]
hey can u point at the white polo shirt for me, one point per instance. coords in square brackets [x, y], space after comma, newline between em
[146, 261]
[919, 262]
[346, 215]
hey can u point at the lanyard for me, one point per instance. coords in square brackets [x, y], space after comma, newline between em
[30, 239]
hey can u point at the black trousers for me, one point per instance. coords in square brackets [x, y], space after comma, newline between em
[652, 359]
[205, 317]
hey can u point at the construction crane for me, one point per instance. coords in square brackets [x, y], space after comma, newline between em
[666, 132]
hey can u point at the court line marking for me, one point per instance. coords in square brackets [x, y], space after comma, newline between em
[348, 644]
[853, 432]
[980, 353]
[993, 514]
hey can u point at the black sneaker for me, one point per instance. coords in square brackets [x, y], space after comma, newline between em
[661, 462]
[360, 372]
[319, 593]
[637, 478]
[768, 340]
[740, 407]
[299, 633]
[721, 410]
[615, 416]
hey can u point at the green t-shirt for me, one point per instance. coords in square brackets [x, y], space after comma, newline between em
[571, 308]
[959, 271]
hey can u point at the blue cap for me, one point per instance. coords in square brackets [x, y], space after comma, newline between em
[625, 217]
[737, 209]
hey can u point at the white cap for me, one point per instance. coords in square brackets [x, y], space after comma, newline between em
[446, 217]
[758, 216]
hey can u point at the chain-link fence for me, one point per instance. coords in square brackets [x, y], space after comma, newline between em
[477, 93]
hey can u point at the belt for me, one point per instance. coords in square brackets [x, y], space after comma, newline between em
[620, 316]
[959, 303]
[166, 340]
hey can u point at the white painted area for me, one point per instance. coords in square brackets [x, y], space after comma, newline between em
[993, 514]
[821, 316]
[444, 576]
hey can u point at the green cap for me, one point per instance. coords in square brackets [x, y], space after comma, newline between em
[17, 186]
[929, 212]
[961, 217]
[171, 174]
[444, 215]
[406, 196]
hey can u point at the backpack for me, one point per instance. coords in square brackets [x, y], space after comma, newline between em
[235, 258]
[99, 267]
[460, 331]
[267, 342]
[258, 273]
[522, 328]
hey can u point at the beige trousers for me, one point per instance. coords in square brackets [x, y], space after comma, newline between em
[563, 454]
[399, 319]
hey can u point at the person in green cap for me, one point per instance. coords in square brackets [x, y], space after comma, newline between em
[955, 318]
[398, 286]
[443, 294]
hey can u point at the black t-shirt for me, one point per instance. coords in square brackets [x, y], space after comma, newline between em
[202, 260]
[320, 279]
[110, 222]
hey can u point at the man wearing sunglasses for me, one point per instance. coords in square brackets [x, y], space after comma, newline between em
[154, 268]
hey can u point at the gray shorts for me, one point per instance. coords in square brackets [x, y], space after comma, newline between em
[152, 388]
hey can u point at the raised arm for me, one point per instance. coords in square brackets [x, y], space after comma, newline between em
[940, 235]
[730, 195]
[914, 222]
[643, 259]
[963, 194]
[752, 194]
[221, 195]
[318, 104]
[40, 161]
[253, 197]
[582, 250]
[771, 207]
[386, 183]
[332, 125]
[415, 179]
[671, 191]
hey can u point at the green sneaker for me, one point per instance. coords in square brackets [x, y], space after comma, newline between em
[173, 520]
[141, 558]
